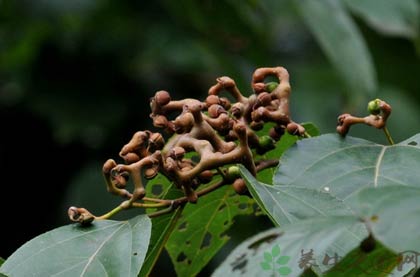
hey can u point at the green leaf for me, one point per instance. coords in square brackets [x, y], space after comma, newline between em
[400, 18]
[268, 257]
[330, 175]
[284, 270]
[413, 141]
[342, 42]
[1, 262]
[285, 142]
[105, 248]
[163, 225]
[341, 167]
[283, 260]
[309, 273]
[161, 187]
[275, 251]
[201, 231]
[265, 265]
[379, 262]
[311, 129]
[304, 237]
[393, 212]
[285, 204]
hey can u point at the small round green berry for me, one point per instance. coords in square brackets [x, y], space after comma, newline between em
[271, 86]
[233, 172]
[374, 106]
[267, 142]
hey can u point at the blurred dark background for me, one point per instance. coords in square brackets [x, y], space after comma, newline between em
[76, 77]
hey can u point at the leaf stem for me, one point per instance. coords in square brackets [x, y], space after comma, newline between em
[173, 204]
[161, 212]
[110, 213]
[388, 136]
[263, 164]
[182, 200]
[157, 200]
[146, 205]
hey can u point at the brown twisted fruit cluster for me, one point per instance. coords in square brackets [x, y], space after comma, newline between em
[220, 132]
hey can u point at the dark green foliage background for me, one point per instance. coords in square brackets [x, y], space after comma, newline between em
[76, 76]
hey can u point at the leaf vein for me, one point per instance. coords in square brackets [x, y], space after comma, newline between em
[68, 269]
[60, 242]
[378, 164]
[345, 174]
[275, 201]
[304, 202]
[99, 248]
[327, 155]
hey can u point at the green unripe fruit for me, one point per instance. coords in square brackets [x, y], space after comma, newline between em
[233, 172]
[374, 106]
[271, 86]
[266, 142]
